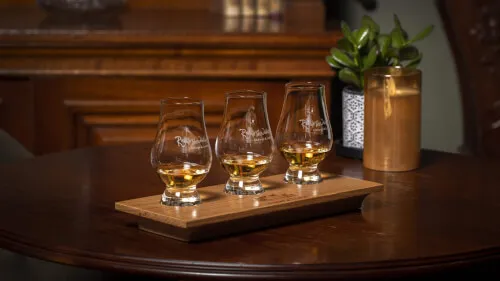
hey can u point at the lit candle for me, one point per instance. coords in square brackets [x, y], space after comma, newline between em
[392, 119]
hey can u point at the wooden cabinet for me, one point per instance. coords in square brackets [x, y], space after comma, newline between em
[77, 112]
[17, 110]
[88, 87]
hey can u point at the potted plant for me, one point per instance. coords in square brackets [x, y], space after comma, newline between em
[359, 50]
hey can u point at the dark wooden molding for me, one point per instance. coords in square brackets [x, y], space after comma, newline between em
[473, 30]
[166, 67]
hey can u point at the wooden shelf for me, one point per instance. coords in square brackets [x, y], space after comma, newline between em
[159, 28]
[139, 57]
[160, 43]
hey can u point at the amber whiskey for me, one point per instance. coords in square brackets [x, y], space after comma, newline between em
[182, 176]
[303, 154]
[245, 165]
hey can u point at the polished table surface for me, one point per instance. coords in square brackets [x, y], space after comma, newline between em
[442, 218]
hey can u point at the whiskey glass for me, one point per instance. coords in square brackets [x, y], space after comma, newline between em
[245, 144]
[181, 154]
[304, 134]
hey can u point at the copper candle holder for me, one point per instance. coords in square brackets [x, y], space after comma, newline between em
[392, 119]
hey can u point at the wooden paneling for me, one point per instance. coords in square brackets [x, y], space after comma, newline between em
[120, 135]
[98, 81]
[174, 67]
[17, 110]
[79, 112]
[107, 129]
[111, 129]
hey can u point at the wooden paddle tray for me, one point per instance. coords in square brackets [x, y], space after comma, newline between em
[220, 214]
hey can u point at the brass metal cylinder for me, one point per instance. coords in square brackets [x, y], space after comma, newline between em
[392, 119]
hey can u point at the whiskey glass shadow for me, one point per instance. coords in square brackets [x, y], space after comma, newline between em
[181, 154]
[245, 144]
[304, 134]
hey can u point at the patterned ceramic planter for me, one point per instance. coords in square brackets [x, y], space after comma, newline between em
[353, 117]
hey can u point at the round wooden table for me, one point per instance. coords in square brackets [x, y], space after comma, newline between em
[440, 220]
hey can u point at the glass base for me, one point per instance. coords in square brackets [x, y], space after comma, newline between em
[303, 175]
[244, 186]
[170, 198]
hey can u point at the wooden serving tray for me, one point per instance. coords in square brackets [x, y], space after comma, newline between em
[220, 214]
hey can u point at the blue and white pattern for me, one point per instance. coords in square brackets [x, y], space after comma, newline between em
[353, 118]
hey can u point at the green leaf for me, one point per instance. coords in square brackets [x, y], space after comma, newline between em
[346, 30]
[408, 53]
[397, 22]
[368, 21]
[415, 62]
[397, 38]
[405, 35]
[398, 25]
[372, 36]
[342, 58]
[424, 33]
[333, 63]
[393, 53]
[384, 41]
[370, 59]
[362, 36]
[345, 45]
[374, 27]
[369, 45]
[356, 62]
[348, 76]
[354, 35]
[395, 62]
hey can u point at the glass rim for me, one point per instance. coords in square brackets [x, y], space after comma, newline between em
[384, 71]
[305, 85]
[181, 101]
[246, 94]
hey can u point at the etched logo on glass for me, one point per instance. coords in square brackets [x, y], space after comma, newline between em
[193, 143]
[259, 135]
[313, 126]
